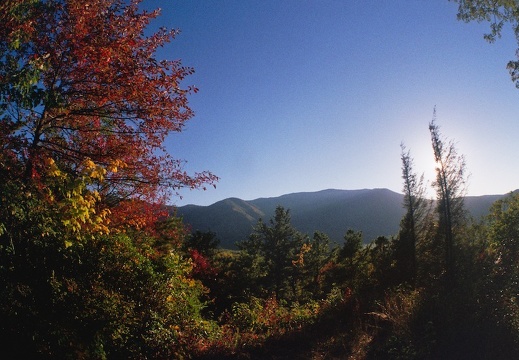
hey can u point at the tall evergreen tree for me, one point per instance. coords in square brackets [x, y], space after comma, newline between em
[352, 245]
[450, 190]
[274, 248]
[315, 255]
[413, 223]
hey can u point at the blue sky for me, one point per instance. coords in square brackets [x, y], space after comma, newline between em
[308, 95]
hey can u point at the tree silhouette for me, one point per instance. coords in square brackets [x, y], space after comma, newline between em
[450, 191]
[413, 222]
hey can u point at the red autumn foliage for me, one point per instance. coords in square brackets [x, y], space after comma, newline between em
[201, 265]
[80, 80]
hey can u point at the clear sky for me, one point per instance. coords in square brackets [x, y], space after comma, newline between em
[302, 95]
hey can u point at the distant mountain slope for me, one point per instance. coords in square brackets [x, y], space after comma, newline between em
[479, 206]
[373, 211]
[230, 219]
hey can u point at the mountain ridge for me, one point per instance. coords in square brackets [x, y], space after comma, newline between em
[375, 212]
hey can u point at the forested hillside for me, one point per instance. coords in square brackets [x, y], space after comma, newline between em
[375, 212]
[92, 265]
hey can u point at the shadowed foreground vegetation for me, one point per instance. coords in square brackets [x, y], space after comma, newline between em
[371, 312]
[75, 289]
[93, 267]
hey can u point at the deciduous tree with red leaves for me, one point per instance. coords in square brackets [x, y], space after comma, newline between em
[80, 84]
[89, 267]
